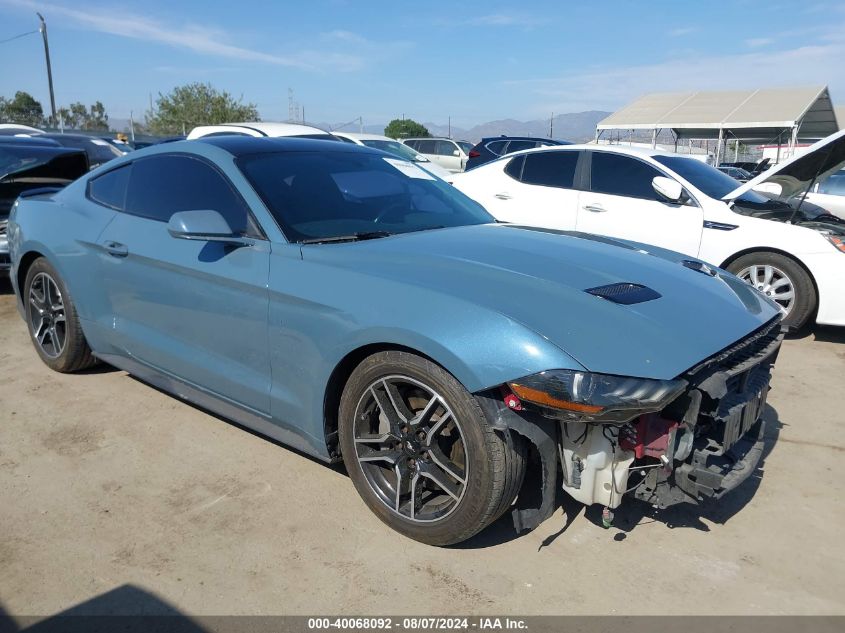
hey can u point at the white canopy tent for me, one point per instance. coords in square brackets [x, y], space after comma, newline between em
[773, 115]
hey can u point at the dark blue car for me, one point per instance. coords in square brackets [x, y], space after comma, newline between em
[492, 147]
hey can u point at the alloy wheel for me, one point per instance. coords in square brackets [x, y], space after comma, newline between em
[772, 282]
[411, 449]
[47, 315]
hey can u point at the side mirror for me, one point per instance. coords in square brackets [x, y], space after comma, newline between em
[204, 225]
[457, 152]
[668, 189]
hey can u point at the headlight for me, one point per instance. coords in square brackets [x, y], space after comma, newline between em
[838, 242]
[582, 396]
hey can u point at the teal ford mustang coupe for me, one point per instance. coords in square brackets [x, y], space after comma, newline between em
[357, 308]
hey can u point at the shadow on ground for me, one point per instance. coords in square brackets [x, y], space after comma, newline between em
[823, 333]
[115, 610]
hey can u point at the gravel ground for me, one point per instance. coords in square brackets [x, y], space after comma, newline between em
[114, 492]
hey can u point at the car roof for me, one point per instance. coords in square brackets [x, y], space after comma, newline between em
[241, 145]
[59, 135]
[505, 137]
[434, 138]
[363, 136]
[269, 128]
[615, 149]
[36, 139]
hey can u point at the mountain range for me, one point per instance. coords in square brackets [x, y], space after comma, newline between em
[575, 126]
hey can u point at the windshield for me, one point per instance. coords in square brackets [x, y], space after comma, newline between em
[319, 195]
[708, 180]
[396, 148]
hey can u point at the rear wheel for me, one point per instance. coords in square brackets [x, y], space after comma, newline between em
[783, 280]
[420, 451]
[53, 322]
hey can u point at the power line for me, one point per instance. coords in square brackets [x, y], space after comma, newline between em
[18, 36]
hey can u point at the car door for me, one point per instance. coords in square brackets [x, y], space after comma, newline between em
[621, 202]
[193, 309]
[538, 189]
[449, 156]
[428, 148]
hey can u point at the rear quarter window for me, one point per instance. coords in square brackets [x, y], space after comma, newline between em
[109, 189]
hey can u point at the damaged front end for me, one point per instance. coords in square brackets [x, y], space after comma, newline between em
[662, 441]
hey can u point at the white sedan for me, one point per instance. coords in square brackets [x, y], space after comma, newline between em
[392, 146]
[791, 250]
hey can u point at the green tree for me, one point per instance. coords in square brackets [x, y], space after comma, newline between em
[23, 109]
[97, 118]
[79, 117]
[405, 128]
[196, 104]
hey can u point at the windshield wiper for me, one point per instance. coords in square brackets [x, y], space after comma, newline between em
[352, 237]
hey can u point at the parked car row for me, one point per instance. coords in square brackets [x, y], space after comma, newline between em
[355, 306]
[791, 250]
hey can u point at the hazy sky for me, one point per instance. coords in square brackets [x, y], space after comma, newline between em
[475, 61]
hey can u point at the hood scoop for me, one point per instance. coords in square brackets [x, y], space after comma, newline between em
[624, 293]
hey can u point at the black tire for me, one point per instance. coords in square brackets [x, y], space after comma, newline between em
[494, 470]
[805, 298]
[68, 350]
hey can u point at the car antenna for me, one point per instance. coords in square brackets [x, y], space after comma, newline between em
[812, 182]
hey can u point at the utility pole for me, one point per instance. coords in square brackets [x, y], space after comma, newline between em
[552, 125]
[132, 127]
[361, 124]
[450, 127]
[43, 29]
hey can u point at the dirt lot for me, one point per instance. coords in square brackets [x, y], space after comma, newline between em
[106, 483]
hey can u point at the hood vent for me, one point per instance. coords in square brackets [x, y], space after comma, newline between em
[625, 293]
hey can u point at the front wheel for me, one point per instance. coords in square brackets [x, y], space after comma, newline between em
[783, 280]
[420, 451]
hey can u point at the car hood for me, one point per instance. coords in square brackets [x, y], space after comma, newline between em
[538, 278]
[797, 174]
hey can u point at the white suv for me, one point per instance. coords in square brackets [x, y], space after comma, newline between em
[450, 155]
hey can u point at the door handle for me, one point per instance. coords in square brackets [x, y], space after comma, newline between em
[595, 208]
[503, 196]
[116, 249]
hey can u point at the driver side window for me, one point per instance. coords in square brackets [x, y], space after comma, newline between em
[159, 186]
[619, 175]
